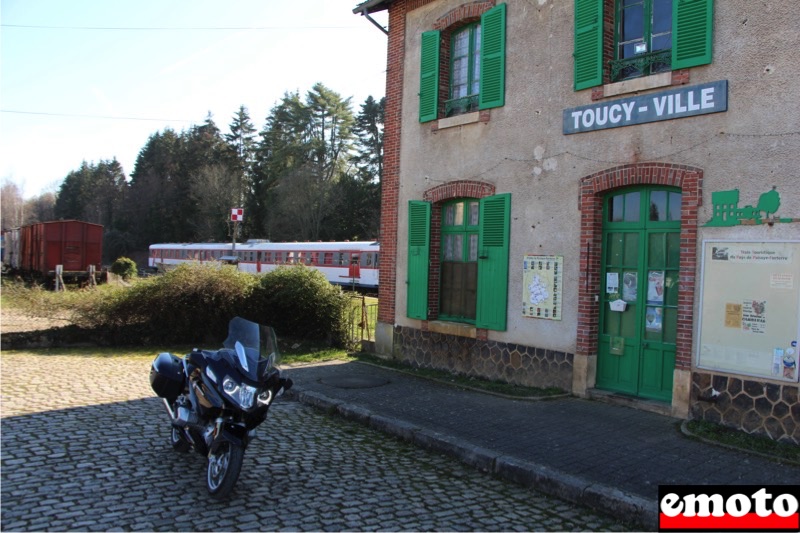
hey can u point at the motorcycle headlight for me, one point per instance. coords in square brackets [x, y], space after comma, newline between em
[240, 393]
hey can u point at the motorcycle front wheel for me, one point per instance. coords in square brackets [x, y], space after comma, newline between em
[223, 469]
[179, 444]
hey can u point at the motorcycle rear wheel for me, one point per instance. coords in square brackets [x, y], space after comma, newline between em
[224, 467]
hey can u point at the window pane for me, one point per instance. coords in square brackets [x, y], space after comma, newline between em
[658, 206]
[461, 47]
[470, 299]
[632, 23]
[662, 42]
[615, 208]
[473, 248]
[673, 250]
[459, 214]
[453, 248]
[670, 325]
[447, 247]
[474, 213]
[631, 254]
[675, 200]
[632, 207]
[476, 81]
[449, 214]
[450, 294]
[476, 61]
[657, 248]
[662, 16]
[460, 77]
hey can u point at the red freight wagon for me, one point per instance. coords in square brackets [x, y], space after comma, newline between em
[70, 243]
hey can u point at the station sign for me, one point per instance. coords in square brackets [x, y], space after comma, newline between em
[685, 101]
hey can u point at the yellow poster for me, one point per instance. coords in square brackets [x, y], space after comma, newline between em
[733, 316]
[542, 277]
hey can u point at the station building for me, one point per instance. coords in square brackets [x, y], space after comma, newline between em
[598, 195]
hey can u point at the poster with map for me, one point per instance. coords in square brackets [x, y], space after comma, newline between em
[542, 277]
[750, 308]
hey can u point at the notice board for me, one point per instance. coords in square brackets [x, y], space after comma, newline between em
[750, 308]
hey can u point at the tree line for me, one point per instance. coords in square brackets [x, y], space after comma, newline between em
[313, 172]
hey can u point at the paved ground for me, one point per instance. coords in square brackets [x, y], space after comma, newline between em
[605, 456]
[84, 447]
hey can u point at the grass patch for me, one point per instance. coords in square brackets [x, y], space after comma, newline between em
[496, 387]
[744, 441]
[308, 352]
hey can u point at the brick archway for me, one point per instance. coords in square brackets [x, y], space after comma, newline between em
[593, 187]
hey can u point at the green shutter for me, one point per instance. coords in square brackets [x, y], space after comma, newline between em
[493, 58]
[419, 240]
[692, 32]
[429, 77]
[588, 53]
[493, 249]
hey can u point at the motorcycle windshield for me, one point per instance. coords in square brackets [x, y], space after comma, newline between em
[260, 347]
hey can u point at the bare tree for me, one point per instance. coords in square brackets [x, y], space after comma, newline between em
[12, 205]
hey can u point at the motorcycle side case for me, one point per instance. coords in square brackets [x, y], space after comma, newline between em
[166, 376]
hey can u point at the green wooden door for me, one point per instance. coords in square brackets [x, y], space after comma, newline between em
[640, 266]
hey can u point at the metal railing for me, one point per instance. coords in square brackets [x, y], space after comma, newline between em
[457, 106]
[362, 318]
[651, 62]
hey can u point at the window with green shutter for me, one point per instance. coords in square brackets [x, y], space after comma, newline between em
[459, 261]
[588, 39]
[649, 36]
[419, 230]
[473, 265]
[429, 77]
[493, 250]
[475, 75]
[493, 58]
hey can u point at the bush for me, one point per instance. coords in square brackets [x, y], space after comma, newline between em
[299, 302]
[124, 268]
[191, 304]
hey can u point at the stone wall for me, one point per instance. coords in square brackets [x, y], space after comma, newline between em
[751, 405]
[497, 361]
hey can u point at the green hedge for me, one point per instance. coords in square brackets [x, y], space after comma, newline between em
[194, 303]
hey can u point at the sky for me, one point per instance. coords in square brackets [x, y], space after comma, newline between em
[91, 80]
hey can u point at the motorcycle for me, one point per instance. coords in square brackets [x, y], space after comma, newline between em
[216, 399]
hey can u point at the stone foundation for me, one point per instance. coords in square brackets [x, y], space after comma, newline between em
[750, 405]
[497, 361]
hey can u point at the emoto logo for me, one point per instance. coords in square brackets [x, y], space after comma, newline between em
[728, 508]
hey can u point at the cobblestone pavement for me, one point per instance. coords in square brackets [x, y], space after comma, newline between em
[84, 447]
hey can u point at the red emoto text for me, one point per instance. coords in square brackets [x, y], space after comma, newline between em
[728, 508]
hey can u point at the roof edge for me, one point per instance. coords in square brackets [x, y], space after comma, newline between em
[372, 6]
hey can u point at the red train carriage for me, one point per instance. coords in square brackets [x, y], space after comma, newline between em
[73, 244]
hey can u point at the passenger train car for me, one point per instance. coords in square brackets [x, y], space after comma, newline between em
[347, 263]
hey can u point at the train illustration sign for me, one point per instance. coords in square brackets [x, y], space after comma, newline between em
[682, 102]
[728, 213]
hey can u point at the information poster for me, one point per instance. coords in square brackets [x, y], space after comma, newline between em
[750, 308]
[542, 277]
